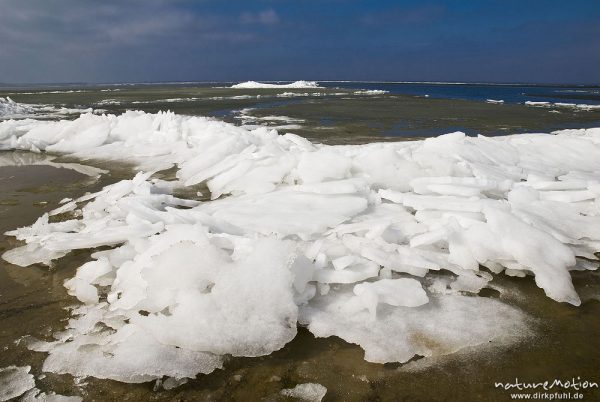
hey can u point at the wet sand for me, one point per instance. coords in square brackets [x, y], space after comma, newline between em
[563, 343]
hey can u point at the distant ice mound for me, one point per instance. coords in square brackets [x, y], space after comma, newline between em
[296, 84]
[385, 245]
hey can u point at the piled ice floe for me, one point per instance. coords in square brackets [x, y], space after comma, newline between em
[380, 244]
[296, 84]
[9, 109]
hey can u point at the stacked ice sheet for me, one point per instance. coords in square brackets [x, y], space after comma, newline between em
[381, 244]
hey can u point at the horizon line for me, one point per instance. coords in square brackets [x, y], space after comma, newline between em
[113, 83]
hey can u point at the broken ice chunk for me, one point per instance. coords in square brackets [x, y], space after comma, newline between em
[357, 272]
[406, 292]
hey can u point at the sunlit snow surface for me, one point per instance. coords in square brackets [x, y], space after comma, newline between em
[379, 244]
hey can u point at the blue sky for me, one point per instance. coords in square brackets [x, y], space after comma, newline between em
[159, 40]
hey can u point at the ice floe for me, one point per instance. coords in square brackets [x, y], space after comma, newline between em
[576, 106]
[109, 102]
[42, 159]
[371, 92]
[296, 84]
[35, 395]
[50, 92]
[15, 381]
[276, 122]
[168, 100]
[442, 326]
[235, 97]
[309, 392]
[307, 94]
[385, 245]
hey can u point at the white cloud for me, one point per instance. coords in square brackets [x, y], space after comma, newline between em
[84, 40]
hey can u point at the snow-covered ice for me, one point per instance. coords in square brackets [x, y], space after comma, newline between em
[385, 245]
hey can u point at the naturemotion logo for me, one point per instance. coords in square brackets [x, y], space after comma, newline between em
[561, 389]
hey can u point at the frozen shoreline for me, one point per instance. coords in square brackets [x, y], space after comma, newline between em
[306, 222]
